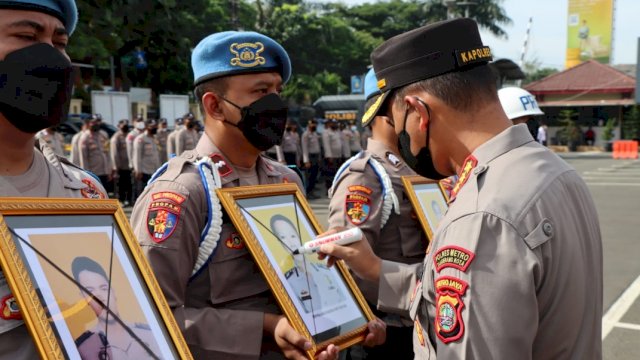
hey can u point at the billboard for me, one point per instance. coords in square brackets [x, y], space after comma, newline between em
[590, 30]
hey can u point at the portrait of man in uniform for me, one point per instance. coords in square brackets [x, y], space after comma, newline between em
[432, 203]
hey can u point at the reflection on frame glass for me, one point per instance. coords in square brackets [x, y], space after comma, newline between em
[322, 303]
[428, 199]
[83, 286]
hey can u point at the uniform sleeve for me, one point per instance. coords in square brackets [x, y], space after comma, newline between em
[180, 142]
[279, 153]
[305, 147]
[129, 142]
[113, 152]
[84, 151]
[482, 285]
[326, 144]
[210, 332]
[138, 146]
[397, 286]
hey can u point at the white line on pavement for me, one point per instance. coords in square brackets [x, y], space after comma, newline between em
[628, 326]
[611, 184]
[620, 307]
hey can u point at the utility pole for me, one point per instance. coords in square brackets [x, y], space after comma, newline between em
[233, 4]
[524, 48]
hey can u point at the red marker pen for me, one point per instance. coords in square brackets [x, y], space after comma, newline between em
[342, 238]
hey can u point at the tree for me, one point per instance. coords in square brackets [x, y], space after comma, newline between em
[631, 123]
[570, 134]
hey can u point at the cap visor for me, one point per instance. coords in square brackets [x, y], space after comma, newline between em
[372, 111]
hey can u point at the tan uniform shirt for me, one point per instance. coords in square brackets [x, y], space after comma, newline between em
[186, 140]
[221, 310]
[92, 154]
[310, 144]
[48, 176]
[131, 136]
[75, 147]
[515, 269]
[162, 137]
[118, 150]
[354, 141]
[332, 144]
[171, 142]
[53, 139]
[358, 187]
[291, 143]
[146, 157]
[346, 136]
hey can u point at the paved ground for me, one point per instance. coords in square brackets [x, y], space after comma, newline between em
[615, 185]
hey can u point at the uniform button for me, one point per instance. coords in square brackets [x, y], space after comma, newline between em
[479, 169]
[547, 228]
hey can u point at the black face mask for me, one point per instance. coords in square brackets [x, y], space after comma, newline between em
[95, 128]
[190, 125]
[124, 128]
[312, 128]
[35, 87]
[421, 163]
[263, 121]
[153, 131]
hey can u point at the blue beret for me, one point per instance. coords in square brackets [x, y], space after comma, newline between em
[370, 85]
[65, 10]
[370, 91]
[238, 52]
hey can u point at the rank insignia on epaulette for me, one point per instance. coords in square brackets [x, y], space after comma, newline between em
[393, 158]
[163, 214]
[448, 321]
[468, 165]
[247, 54]
[9, 309]
[234, 242]
[221, 165]
[357, 208]
[91, 191]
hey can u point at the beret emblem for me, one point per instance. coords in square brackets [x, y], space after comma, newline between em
[247, 54]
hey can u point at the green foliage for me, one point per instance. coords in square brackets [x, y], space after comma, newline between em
[609, 128]
[570, 133]
[631, 123]
[304, 89]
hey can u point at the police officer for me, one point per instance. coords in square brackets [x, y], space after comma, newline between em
[161, 139]
[311, 154]
[275, 152]
[146, 156]
[219, 299]
[291, 145]
[92, 154]
[187, 138]
[332, 145]
[355, 144]
[37, 56]
[53, 139]
[74, 157]
[120, 163]
[345, 136]
[138, 128]
[171, 139]
[513, 272]
[520, 106]
[368, 193]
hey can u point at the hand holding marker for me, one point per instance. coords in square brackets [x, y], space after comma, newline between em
[342, 238]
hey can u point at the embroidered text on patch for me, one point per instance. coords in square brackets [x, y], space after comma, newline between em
[360, 188]
[247, 54]
[452, 256]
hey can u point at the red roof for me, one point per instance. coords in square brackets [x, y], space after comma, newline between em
[590, 76]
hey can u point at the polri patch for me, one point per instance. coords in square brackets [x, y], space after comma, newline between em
[234, 242]
[163, 214]
[449, 325]
[91, 190]
[393, 158]
[357, 208]
[9, 309]
[360, 188]
[247, 55]
[454, 257]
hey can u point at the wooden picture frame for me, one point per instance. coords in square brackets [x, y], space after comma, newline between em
[323, 304]
[421, 190]
[77, 273]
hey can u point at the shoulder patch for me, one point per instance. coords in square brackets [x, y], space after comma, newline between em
[393, 159]
[449, 325]
[357, 208]
[469, 163]
[223, 168]
[234, 241]
[360, 188]
[9, 309]
[163, 214]
[454, 257]
[91, 190]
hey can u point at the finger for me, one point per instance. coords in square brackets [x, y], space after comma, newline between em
[297, 340]
[321, 255]
[330, 353]
[295, 354]
[341, 252]
[331, 261]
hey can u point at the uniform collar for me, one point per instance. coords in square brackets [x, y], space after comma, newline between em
[228, 173]
[509, 139]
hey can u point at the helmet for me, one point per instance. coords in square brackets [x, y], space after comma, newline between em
[518, 102]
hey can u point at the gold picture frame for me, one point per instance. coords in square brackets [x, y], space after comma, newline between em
[420, 190]
[68, 263]
[323, 304]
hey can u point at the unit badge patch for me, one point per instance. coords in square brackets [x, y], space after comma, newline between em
[452, 256]
[91, 191]
[357, 208]
[163, 214]
[360, 188]
[247, 54]
[448, 322]
[234, 242]
[9, 308]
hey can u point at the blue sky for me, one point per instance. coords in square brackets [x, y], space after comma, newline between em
[548, 36]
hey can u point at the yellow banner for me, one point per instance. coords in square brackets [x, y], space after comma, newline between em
[590, 28]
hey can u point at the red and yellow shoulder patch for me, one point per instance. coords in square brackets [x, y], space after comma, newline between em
[163, 214]
[469, 164]
[91, 190]
[454, 257]
[234, 242]
[357, 208]
[9, 309]
[449, 325]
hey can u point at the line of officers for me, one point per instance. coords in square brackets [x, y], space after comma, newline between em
[125, 162]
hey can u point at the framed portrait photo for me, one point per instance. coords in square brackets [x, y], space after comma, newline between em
[429, 201]
[322, 303]
[81, 284]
